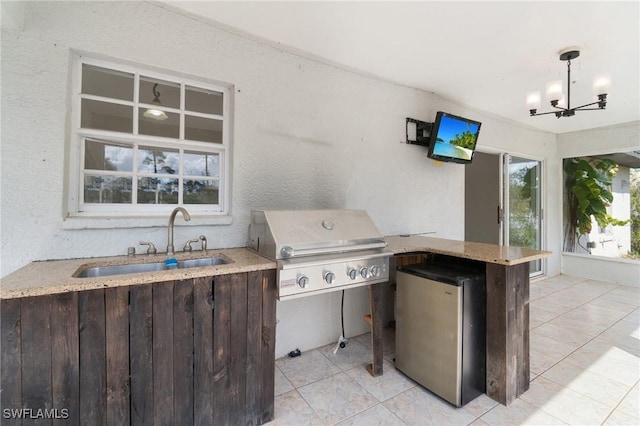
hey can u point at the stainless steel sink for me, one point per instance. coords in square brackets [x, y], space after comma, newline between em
[103, 271]
[206, 261]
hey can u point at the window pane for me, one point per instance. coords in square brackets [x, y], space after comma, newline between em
[203, 100]
[107, 156]
[157, 191]
[105, 82]
[202, 129]
[158, 160]
[107, 189]
[167, 128]
[106, 116]
[201, 191]
[201, 164]
[166, 93]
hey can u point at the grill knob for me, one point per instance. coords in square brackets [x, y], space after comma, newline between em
[364, 272]
[352, 273]
[374, 270]
[329, 277]
[303, 280]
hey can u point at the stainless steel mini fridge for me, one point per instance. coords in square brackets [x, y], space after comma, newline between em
[440, 330]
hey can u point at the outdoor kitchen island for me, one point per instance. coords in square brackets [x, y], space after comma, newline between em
[507, 277]
[174, 346]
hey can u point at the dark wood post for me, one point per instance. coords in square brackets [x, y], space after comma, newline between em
[375, 293]
[507, 331]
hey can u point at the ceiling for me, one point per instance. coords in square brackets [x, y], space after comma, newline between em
[486, 55]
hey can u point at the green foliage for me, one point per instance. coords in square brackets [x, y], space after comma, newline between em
[588, 183]
[635, 211]
[523, 224]
[464, 140]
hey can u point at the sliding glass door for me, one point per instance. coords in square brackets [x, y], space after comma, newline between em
[522, 205]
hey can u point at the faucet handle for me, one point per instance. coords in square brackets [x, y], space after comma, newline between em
[203, 242]
[187, 245]
[151, 249]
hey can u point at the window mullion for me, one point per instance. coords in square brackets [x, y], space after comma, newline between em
[181, 178]
[105, 99]
[136, 102]
[182, 107]
[134, 178]
[80, 199]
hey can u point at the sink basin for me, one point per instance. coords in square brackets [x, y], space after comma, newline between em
[206, 261]
[103, 271]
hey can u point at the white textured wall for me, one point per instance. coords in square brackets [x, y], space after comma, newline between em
[616, 271]
[621, 138]
[306, 135]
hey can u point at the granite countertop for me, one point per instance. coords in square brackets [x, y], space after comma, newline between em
[57, 276]
[491, 253]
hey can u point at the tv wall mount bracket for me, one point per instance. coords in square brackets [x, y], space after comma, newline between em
[422, 133]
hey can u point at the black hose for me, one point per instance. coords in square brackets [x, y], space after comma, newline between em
[342, 313]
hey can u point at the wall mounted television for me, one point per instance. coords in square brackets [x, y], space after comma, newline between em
[453, 138]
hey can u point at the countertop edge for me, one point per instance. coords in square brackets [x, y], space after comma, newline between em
[490, 253]
[60, 274]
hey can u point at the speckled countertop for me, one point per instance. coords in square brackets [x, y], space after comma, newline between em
[57, 276]
[490, 253]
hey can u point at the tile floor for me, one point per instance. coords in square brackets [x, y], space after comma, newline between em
[585, 370]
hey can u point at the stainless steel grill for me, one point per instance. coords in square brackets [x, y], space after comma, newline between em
[318, 251]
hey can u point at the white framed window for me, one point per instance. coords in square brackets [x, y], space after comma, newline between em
[144, 142]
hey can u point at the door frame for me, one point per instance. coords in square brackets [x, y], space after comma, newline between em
[503, 193]
[504, 161]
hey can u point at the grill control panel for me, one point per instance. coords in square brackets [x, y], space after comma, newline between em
[320, 278]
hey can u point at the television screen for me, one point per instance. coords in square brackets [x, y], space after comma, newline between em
[453, 138]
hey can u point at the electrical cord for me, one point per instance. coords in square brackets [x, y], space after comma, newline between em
[342, 312]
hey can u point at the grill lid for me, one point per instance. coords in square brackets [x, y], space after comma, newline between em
[282, 234]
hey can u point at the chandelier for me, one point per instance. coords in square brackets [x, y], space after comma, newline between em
[557, 99]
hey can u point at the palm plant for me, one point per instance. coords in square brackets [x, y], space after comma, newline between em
[587, 184]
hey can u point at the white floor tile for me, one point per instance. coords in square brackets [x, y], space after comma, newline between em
[418, 406]
[587, 383]
[352, 355]
[618, 418]
[480, 405]
[291, 409]
[567, 405]
[519, 412]
[375, 416]
[337, 398]
[630, 405]
[307, 368]
[390, 384]
[282, 385]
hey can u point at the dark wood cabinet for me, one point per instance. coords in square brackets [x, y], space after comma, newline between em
[199, 351]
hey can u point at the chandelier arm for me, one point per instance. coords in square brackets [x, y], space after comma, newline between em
[587, 109]
[544, 113]
[586, 105]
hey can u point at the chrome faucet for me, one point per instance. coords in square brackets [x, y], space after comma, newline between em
[172, 218]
